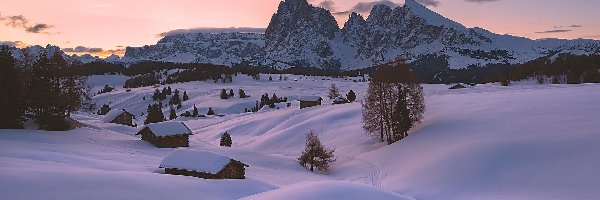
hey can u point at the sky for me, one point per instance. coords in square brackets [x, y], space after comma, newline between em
[104, 27]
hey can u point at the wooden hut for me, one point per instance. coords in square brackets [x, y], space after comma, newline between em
[310, 101]
[166, 134]
[119, 117]
[203, 164]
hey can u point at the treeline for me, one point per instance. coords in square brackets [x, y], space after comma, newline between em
[99, 67]
[45, 92]
[570, 69]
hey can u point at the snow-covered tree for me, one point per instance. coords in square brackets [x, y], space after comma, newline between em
[333, 91]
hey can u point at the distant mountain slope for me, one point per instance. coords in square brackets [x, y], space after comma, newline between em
[301, 35]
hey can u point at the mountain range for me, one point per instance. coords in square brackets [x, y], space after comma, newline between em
[302, 35]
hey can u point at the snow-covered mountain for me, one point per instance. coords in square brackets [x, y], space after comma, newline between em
[223, 48]
[300, 34]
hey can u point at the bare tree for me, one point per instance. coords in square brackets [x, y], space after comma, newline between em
[333, 91]
[394, 102]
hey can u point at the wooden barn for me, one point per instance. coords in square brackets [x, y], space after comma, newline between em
[310, 101]
[166, 134]
[119, 117]
[203, 164]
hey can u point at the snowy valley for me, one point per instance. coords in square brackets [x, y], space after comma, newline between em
[527, 141]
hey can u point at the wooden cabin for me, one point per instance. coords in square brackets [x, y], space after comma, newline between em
[166, 134]
[120, 117]
[310, 101]
[203, 164]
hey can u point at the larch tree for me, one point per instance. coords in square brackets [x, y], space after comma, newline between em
[333, 91]
[394, 102]
[315, 155]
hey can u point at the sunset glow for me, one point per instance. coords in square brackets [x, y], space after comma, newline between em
[111, 25]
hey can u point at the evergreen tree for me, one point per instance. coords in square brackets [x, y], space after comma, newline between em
[185, 96]
[351, 96]
[224, 94]
[242, 93]
[104, 110]
[210, 111]
[172, 114]
[401, 118]
[156, 95]
[226, 140]
[155, 114]
[274, 99]
[45, 105]
[231, 94]
[195, 112]
[12, 108]
[270, 78]
[333, 91]
[175, 99]
[315, 155]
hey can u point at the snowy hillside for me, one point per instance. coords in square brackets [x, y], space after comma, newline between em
[300, 34]
[483, 142]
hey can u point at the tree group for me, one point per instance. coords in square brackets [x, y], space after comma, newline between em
[47, 91]
[394, 102]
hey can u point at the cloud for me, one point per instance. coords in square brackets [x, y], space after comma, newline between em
[481, 1]
[212, 30]
[20, 21]
[433, 3]
[38, 28]
[554, 31]
[17, 44]
[571, 26]
[328, 4]
[82, 49]
[364, 7]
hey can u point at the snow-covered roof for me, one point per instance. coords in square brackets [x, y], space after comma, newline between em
[195, 160]
[310, 98]
[169, 129]
[114, 113]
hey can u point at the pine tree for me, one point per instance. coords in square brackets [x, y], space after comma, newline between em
[175, 99]
[315, 155]
[155, 114]
[242, 93]
[231, 94]
[351, 96]
[12, 108]
[104, 110]
[210, 111]
[226, 140]
[185, 96]
[195, 112]
[333, 91]
[224, 94]
[401, 118]
[270, 78]
[44, 94]
[172, 114]
[274, 99]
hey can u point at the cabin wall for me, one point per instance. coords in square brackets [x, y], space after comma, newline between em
[232, 171]
[182, 172]
[123, 119]
[306, 104]
[165, 142]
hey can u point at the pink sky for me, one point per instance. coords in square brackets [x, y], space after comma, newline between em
[112, 24]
